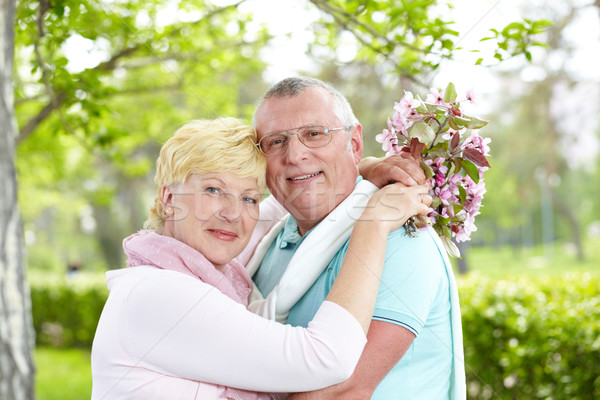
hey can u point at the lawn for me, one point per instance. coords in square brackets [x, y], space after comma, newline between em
[63, 374]
[507, 262]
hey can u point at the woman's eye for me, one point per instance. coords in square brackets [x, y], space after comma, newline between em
[249, 200]
[212, 190]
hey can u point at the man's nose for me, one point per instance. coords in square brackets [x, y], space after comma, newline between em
[296, 149]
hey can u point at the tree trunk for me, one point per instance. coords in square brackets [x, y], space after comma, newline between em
[573, 223]
[463, 266]
[16, 328]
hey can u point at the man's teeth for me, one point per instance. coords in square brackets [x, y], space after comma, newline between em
[305, 176]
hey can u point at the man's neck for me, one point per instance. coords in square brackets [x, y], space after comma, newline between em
[306, 226]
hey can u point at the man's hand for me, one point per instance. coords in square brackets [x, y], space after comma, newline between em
[402, 168]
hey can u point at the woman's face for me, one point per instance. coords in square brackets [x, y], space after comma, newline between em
[213, 213]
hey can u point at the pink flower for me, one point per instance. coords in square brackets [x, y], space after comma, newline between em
[388, 140]
[444, 194]
[471, 97]
[406, 104]
[435, 97]
[477, 142]
[401, 123]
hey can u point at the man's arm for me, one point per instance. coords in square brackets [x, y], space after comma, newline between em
[387, 344]
[401, 168]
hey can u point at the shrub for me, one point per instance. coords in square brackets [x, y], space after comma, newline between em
[532, 338]
[66, 309]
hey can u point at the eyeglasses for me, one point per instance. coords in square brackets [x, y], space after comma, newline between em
[312, 136]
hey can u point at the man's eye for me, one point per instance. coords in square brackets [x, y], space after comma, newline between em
[278, 141]
[314, 133]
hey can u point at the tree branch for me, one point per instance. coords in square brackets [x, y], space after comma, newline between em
[338, 14]
[56, 101]
[111, 64]
[44, 113]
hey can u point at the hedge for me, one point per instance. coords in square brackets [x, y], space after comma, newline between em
[532, 338]
[66, 309]
[524, 339]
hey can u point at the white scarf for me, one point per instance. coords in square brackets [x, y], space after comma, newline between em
[312, 256]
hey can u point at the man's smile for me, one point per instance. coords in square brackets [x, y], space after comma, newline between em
[304, 177]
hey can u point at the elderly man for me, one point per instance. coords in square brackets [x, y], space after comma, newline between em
[313, 144]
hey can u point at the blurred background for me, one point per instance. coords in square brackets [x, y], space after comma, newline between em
[99, 86]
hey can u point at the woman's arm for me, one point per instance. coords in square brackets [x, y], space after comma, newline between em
[179, 326]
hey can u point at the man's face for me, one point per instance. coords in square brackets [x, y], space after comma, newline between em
[309, 182]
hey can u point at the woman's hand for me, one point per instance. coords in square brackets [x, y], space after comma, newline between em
[401, 168]
[393, 205]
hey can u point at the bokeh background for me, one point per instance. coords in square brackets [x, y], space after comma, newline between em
[100, 85]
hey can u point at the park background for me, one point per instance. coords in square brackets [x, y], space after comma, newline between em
[99, 86]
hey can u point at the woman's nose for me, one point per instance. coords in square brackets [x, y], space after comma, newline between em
[229, 208]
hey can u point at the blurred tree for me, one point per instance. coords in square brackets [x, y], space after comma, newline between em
[16, 340]
[91, 125]
[535, 138]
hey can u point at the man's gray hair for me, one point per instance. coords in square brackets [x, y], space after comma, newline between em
[294, 86]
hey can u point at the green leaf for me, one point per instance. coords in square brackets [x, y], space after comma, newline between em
[451, 168]
[432, 108]
[453, 124]
[451, 248]
[457, 163]
[476, 123]
[427, 169]
[450, 93]
[440, 150]
[471, 170]
[461, 121]
[479, 61]
[462, 193]
[422, 132]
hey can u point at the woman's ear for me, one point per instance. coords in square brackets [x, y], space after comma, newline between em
[166, 197]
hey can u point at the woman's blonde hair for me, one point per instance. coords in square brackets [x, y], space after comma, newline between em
[202, 146]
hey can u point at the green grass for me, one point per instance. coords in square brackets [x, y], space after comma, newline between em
[507, 262]
[63, 374]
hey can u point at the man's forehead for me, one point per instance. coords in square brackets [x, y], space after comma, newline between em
[283, 113]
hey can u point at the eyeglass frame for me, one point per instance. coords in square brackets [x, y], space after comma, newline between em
[296, 131]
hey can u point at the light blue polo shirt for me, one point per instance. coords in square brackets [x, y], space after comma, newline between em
[414, 293]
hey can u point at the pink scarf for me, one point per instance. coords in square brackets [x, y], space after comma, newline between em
[150, 248]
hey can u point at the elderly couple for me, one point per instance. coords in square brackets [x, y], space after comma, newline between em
[342, 303]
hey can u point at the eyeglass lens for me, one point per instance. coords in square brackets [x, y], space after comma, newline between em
[311, 136]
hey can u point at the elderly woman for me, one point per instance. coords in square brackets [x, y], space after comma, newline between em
[175, 324]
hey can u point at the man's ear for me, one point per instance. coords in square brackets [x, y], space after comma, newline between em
[356, 143]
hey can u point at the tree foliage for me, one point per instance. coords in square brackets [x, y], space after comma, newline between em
[91, 124]
[414, 37]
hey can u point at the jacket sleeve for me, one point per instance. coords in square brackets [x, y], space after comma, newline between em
[179, 326]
